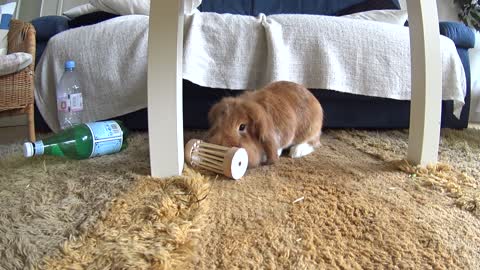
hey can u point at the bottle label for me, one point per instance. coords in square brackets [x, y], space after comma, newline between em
[76, 102]
[63, 103]
[107, 137]
[70, 103]
[39, 148]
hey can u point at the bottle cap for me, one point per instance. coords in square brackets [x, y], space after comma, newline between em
[70, 64]
[28, 149]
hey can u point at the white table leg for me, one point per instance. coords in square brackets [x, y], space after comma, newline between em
[425, 112]
[165, 115]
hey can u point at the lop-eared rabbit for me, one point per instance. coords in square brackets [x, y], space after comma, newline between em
[266, 121]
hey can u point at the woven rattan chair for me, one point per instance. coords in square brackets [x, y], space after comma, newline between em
[16, 89]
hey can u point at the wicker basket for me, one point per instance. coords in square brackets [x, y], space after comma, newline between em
[16, 89]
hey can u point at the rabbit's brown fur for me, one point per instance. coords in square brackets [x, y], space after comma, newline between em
[281, 115]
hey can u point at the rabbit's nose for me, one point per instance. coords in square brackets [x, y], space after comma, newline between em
[229, 141]
[214, 137]
[223, 140]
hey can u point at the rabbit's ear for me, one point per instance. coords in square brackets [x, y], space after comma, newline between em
[215, 112]
[262, 129]
[218, 111]
[259, 124]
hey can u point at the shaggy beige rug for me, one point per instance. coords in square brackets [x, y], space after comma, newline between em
[101, 213]
[352, 204]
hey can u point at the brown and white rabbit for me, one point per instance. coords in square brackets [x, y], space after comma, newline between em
[266, 121]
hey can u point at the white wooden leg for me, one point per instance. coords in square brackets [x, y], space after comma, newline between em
[165, 118]
[425, 112]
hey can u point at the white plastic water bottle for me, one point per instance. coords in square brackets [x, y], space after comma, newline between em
[69, 97]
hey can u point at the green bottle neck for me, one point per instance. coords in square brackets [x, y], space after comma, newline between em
[49, 148]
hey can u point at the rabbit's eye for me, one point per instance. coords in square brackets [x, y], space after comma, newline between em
[242, 127]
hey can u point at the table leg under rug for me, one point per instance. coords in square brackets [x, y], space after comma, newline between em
[165, 115]
[425, 110]
[165, 85]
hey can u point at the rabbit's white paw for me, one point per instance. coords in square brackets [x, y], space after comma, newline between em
[300, 150]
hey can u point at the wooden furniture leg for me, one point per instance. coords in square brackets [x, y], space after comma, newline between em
[31, 123]
[425, 111]
[165, 115]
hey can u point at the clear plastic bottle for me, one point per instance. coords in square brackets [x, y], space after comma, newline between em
[81, 141]
[69, 97]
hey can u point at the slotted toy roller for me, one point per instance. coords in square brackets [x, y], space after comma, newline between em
[229, 161]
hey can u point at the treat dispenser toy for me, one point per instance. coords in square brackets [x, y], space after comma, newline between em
[229, 161]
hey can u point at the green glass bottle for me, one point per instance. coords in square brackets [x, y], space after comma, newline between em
[81, 141]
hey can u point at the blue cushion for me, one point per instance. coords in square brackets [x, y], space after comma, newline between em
[317, 7]
[370, 5]
[302, 7]
[40, 48]
[48, 26]
[243, 7]
[461, 35]
[91, 18]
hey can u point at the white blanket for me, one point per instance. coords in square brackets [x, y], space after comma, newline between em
[239, 52]
[347, 55]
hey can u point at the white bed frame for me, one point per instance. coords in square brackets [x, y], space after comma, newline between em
[165, 85]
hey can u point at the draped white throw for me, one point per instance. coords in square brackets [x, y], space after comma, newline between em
[240, 52]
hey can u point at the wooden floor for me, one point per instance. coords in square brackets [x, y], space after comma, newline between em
[13, 129]
[13, 134]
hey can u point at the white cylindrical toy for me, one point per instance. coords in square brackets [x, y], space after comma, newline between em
[230, 161]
